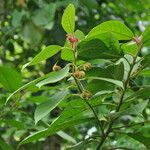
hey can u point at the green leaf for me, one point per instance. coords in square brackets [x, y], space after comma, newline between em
[146, 60]
[133, 110]
[51, 130]
[142, 139]
[115, 71]
[44, 54]
[79, 34]
[67, 54]
[55, 76]
[10, 78]
[130, 48]
[142, 93]
[109, 40]
[120, 30]
[68, 19]
[95, 49]
[145, 35]
[43, 109]
[145, 73]
[73, 114]
[4, 145]
[27, 85]
[14, 123]
[90, 4]
[116, 82]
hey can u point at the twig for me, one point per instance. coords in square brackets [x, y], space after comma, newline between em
[121, 100]
[78, 83]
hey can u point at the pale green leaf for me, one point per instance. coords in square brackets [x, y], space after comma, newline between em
[68, 19]
[46, 53]
[55, 76]
[79, 34]
[119, 29]
[130, 48]
[51, 130]
[67, 54]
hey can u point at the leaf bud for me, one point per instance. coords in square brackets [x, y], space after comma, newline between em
[79, 74]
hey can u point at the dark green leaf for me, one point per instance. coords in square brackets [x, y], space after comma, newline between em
[4, 145]
[109, 40]
[116, 82]
[71, 116]
[142, 93]
[10, 78]
[139, 137]
[145, 35]
[43, 109]
[95, 49]
[28, 85]
[133, 110]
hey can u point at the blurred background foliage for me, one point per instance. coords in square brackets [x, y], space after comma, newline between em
[26, 27]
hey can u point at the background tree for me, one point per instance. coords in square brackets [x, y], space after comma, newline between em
[26, 27]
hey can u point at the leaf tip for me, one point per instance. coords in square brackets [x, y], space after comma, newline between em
[24, 66]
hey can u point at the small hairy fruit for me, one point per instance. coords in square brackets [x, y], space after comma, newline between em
[56, 68]
[72, 39]
[86, 95]
[87, 66]
[79, 74]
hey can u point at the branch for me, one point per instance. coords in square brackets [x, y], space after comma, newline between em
[121, 98]
[78, 83]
